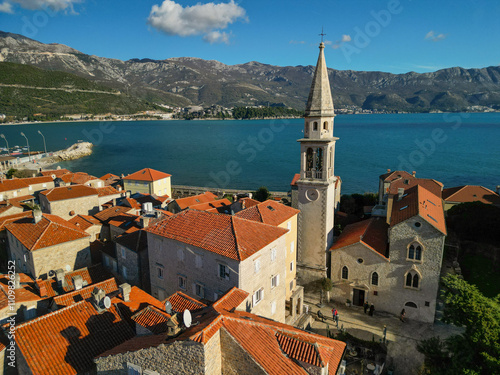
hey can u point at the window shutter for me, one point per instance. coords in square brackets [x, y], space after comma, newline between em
[277, 280]
[194, 289]
[254, 299]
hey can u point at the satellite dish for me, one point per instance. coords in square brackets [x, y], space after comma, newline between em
[186, 317]
[107, 302]
[168, 307]
[53, 176]
[68, 267]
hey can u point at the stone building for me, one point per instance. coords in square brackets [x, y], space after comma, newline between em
[205, 254]
[223, 340]
[88, 224]
[179, 204]
[26, 299]
[68, 201]
[316, 186]
[393, 261]
[13, 188]
[148, 181]
[38, 184]
[41, 243]
[132, 258]
[469, 193]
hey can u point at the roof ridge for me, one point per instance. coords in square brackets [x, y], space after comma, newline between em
[233, 229]
[51, 314]
[43, 232]
[75, 229]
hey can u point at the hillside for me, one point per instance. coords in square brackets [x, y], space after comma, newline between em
[192, 81]
[26, 90]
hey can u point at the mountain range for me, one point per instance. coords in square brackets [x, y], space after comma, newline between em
[187, 81]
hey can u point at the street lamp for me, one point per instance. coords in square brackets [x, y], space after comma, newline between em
[44, 146]
[28, 144]
[8, 150]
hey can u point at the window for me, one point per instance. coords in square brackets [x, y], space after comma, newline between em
[198, 261]
[124, 256]
[415, 251]
[223, 272]
[360, 260]
[256, 265]
[345, 273]
[292, 246]
[289, 225]
[180, 254]
[325, 125]
[275, 280]
[124, 272]
[199, 290]
[273, 307]
[418, 224]
[412, 280]
[374, 278]
[315, 126]
[291, 285]
[258, 296]
[273, 254]
[411, 304]
[427, 303]
[291, 266]
[182, 282]
[160, 272]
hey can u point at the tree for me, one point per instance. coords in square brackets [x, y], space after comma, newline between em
[477, 350]
[10, 172]
[262, 194]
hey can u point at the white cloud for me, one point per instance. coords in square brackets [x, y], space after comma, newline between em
[327, 42]
[216, 37]
[6, 7]
[345, 38]
[431, 35]
[208, 19]
[297, 42]
[55, 5]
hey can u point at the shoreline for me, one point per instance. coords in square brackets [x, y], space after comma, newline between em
[233, 119]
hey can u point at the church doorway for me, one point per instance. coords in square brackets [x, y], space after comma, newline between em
[358, 298]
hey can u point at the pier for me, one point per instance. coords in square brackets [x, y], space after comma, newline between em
[181, 191]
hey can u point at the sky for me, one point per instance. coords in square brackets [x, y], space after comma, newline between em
[395, 36]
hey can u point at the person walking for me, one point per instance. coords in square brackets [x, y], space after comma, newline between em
[402, 316]
[366, 306]
[372, 309]
[336, 317]
[385, 333]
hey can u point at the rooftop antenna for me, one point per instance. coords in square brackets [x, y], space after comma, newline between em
[322, 34]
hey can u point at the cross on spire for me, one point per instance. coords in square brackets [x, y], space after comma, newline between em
[322, 34]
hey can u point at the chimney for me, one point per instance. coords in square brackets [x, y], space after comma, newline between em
[60, 277]
[125, 291]
[97, 296]
[17, 281]
[401, 191]
[127, 194]
[388, 170]
[144, 221]
[235, 198]
[78, 282]
[119, 188]
[243, 204]
[250, 195]
[413, 173]
[113, 202]
[37, 215]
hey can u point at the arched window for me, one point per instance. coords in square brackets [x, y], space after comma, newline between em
[412, 279]
[315, 126]
[325, 125]
[319, 159]
[415, 251]
[309, 159]
[415, 281]
[345, 273]
[408, 280]
[374, 278]
[306, 129]
[411, 304]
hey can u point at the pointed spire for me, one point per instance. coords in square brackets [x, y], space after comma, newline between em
[320, 101]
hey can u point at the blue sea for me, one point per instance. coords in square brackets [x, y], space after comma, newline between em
[455, 149]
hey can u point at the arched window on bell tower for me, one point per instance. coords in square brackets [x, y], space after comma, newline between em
[309, 161]
[315, 126]
[319, 162]
[325, 125]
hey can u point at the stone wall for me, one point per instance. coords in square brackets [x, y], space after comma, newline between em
[213, 360]
[88, 205]
[180, 357]
[131, 263]
[235, 360]
[291, 254]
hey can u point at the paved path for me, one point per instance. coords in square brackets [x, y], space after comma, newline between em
[402, 337]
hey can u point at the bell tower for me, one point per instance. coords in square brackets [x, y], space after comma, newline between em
[316, 185]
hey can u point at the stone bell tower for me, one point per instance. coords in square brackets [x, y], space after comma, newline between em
[316, 185]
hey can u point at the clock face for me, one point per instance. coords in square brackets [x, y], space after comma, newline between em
[312, 194]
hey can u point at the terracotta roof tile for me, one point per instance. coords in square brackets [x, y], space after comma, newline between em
[56, 172]
[11, 218]
[84, 222]
[296, 177]
[111, 212]
[211, 205]
[147, 174]
[181, 301]
[419, 201]
[226, 235]
[14, 184]
[106, 190]
[231, 300]
[371, 233]
[68, 192]
[110, 176]
[77, 178]
[268, 212]
[390, 176]
[49, 231]
[195, 199]
[79, 295]
[435, 187]
[471, 193]
[153, 319]
[27, 292]
[18, 201]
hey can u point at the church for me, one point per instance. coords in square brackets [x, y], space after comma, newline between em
[392, 260]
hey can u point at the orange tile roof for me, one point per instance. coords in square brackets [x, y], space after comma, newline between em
[56, 172]
[90, 275]
[231, 300]
[77, 178]
[68, 192]
[67, 340]
[109, 176]
[435, 187]
[14, 184]
[49, 231]
[130, 202]
[71, 298]
[18, 201]
[147, 174]
[390, 176]
[419, 201]
[37, 180]
[153, 319]
[181, 301]
[111, 212]
[195, 199]
[371, 233]
[106, 190]
[471, 193]
[211, 205]
[138, 300]
[27, 292]
[268, 212]
[124, 221]
[229, 236]
[296, 177]
[84, 222]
